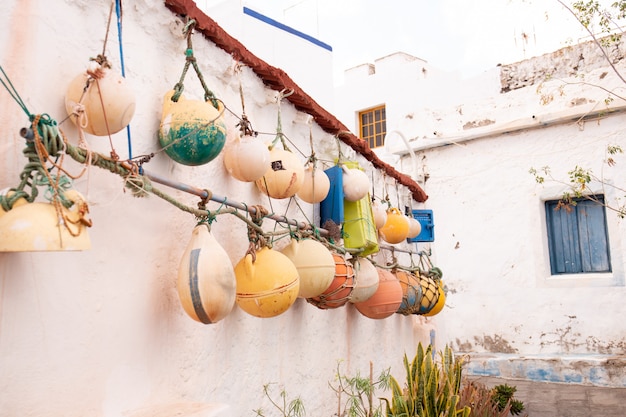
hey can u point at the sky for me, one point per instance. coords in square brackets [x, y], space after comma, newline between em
[468, 36]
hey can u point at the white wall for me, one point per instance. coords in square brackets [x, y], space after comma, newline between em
[101, 332]
[505, 309]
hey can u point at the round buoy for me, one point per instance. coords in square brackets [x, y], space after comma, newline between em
[338, 293]
[268, 285]
[366, 277]
[284, 177]
[315, 265]
[385, 300]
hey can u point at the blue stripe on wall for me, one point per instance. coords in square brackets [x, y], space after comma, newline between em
[286, 28]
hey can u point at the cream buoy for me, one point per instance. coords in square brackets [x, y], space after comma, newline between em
[268, 284]
[380, 214]
[415, 227]
[366, 277]
[315, 265]
[315, 186]
[284, 177]
[206, 279]
[246, 158]
[356, 184]
[99, 101]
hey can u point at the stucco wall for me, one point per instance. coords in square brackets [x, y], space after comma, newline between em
[101, 332]
[508, 312]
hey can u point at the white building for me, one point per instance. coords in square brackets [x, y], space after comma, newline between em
[520, 302]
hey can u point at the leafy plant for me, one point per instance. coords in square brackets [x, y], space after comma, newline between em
[485, 402]
[360, 393]
[502, 395]
[432, 388]
[292, 408]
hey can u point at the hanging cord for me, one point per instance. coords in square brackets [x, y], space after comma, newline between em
[279, 126]
[119, 14]
[257, 240]
[190, 59]
[244, 125]
[6, 82]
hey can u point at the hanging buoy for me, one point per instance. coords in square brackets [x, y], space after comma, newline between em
[246, 158]
[338, 293]
[315, 265]
[415, 227]
[192, 132]
[100, 101]
[206, 279]
[268, 285]
[39, 226]
[385, 300]
[441, 301]
[284, 177]
[411, 293]
[396, 228]
[356, 184]
[315, 185]
[366, 277]
[380, 214]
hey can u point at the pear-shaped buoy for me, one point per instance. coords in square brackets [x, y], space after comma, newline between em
[192, 132]
[206, 279]
[100, 101]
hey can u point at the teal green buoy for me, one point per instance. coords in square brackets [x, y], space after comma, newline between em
[192, 132]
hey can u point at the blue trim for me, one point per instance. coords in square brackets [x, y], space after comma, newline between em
[286, 28]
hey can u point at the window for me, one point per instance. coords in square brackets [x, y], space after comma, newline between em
[577, 236]
[373, 126]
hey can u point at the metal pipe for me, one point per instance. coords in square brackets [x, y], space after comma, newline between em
[203, 193]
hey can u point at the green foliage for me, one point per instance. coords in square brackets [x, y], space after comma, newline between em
[502, 395]
[432, 388]
[292, 408]
[485, 402]
[360, 393]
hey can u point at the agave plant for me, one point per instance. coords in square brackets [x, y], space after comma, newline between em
[432, 388]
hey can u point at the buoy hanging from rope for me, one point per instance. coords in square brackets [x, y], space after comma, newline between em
[206, 280]
[99, 100]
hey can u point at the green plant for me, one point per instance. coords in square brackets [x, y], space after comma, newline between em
[502, 395]
[293, 408]
[432, 388]
[360, 393]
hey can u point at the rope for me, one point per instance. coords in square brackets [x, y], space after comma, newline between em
[190, 59]
[6, 82]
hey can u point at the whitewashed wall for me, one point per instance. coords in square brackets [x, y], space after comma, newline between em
[504, 307]
[101, 332]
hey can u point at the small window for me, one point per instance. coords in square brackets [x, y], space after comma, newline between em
[577, 236]
[373, 126]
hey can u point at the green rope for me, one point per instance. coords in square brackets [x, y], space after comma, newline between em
[190, 59]
[34, 173]
[13, 92]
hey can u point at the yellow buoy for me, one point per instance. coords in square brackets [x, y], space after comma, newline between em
[284, 177]
[268, 285]
[396, 228]
[315, 265]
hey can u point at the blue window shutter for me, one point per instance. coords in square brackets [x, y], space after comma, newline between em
[592, 231]
[577, 237]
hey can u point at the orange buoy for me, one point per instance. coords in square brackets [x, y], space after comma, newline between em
[385, 300]
[396, 228]
[339, 291]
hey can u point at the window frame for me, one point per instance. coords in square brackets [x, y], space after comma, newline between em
[374, 139]
[587, 249]
[541, 254]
